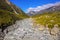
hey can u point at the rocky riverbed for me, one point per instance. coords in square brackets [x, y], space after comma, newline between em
[24, 30]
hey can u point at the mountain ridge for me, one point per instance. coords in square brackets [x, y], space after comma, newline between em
[50, 9]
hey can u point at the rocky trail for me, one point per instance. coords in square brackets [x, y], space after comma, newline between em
[24, 30]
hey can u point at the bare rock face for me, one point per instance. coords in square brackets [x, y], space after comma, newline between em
[25, 31]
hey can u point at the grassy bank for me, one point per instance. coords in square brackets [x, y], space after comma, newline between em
[48, 18]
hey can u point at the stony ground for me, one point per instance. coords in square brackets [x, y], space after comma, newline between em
[24, 30]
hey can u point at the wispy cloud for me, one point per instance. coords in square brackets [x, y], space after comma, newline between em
[38, 8]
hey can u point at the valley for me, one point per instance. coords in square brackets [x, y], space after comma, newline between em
[15, 24]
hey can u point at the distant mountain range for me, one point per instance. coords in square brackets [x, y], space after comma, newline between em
[50, 9]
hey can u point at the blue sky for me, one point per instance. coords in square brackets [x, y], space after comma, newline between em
[26, 4]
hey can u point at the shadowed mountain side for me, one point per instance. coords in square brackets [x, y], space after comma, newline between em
[9, 13]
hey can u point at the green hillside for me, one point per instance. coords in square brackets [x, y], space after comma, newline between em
[5, 6]
[48, 18]
[7, 15]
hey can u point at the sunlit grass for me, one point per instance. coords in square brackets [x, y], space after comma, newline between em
[49, 19]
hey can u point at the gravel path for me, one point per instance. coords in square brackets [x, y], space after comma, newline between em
[25, 31]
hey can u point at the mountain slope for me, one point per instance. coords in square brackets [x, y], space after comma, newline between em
[9, 13]
[50, 9]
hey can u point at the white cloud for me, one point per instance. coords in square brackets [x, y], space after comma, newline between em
[57, 3]
[38, 8]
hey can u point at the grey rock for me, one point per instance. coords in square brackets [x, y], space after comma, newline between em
[24, 31]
